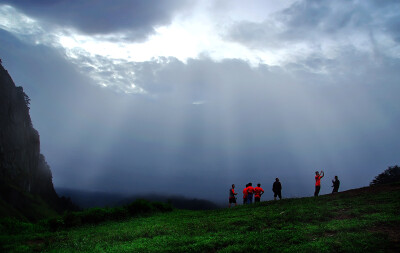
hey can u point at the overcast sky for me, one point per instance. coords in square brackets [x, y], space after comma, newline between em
[188, 97]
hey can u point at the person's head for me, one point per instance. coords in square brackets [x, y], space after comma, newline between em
[247, 185]
[250, 184]
[317, 173]
[336, 177]
[233, 185]
[258, 185]
[277, 179]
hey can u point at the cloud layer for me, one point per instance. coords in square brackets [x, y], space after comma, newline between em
[134, 19]
[112, 123]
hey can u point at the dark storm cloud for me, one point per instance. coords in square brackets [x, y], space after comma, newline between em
[136, 19]
[314, 21]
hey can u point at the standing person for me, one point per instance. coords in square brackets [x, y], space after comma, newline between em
[258, 192]
[245, 195]
[277, 189]
[250, 192]
[232, 196]
[335, 184]
[318, 177]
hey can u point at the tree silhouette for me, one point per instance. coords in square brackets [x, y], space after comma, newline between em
[391, 175]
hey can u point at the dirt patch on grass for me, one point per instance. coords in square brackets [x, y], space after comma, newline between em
[36, 241]
[344, 216]
[237, 223]
[392, 232]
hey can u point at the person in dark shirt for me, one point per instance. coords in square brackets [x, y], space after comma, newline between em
[245, 194]
[277, 189]
[335, 184]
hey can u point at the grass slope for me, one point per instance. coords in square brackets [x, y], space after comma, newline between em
[17, 203]
[361, 220]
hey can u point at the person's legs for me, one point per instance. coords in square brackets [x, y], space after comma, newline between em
[317, 188]
[250, 198]
[280, 195]
[256, 199]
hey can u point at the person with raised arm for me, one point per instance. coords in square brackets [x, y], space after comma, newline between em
[318, 177]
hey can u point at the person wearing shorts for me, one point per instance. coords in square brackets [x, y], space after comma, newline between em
[258, 191]
[232, 196]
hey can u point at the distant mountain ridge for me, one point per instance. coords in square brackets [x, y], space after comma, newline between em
[88, 199]
[26, 187]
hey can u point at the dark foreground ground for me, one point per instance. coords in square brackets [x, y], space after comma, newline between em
[360, 220]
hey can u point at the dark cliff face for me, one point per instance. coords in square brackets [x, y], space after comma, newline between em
[22, 166]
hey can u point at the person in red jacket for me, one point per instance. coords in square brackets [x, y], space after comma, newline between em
[232, 196]
[250, 192]
[245, 195]
[258, 192]
[318, 177]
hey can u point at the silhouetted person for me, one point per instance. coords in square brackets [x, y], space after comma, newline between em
[277, 189]
[318, 177]
[258, 191]
[335, 184]
[245, 194]
[250, 192]
[232, 196]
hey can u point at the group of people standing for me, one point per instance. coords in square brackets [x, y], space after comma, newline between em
[249, 191]
[318, 176]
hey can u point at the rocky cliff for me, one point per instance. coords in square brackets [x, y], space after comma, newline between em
[25, 176]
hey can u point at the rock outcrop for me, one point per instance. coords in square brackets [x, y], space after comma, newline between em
[24, 173]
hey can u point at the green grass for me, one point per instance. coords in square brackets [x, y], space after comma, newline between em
[357, 221]
[29, 207]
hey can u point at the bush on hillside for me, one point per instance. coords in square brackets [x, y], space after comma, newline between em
[391, 175]
[10, 225]
[98, 215]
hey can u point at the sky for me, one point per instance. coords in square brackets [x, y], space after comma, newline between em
[187, 97]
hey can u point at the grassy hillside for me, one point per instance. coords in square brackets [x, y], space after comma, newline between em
[361, 220]
[17, 203]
